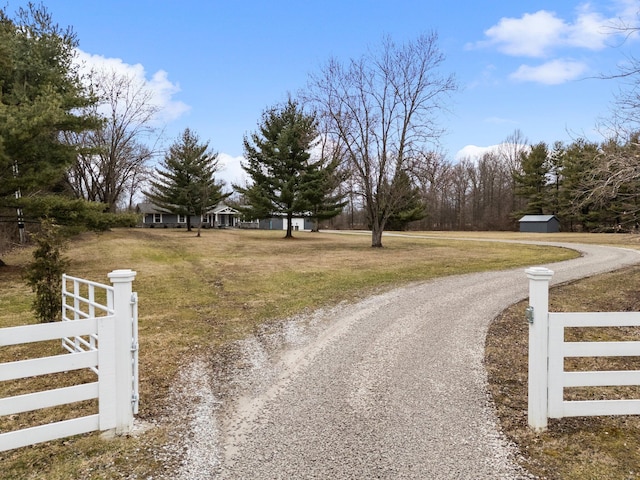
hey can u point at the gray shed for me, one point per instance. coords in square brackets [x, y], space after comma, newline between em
[539, 224]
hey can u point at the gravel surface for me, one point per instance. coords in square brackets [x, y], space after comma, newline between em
[390, 387]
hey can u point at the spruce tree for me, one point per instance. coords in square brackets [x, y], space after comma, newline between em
[278, 160]
[322, 190]
[532, 182]
[185, 181]
[41, 97]
[409, 206]
[44, 273]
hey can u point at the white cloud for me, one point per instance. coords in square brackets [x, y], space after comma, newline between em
[532, 35]
[475, 153]
[161, 88]
[627, 11]
[554, 72]
[541, 33]
[230, 170]
[588, 31]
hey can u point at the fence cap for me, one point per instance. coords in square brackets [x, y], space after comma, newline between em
[124, 275]
[539, 273]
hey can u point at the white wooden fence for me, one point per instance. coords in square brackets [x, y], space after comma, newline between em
[548, 349]
[98, 336]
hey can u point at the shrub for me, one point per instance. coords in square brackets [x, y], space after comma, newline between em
[44, 273]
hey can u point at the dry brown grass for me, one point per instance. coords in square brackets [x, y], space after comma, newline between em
[614, 239]
[199, 294]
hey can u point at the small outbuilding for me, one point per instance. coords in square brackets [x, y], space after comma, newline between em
[280, 223]
[539, 224]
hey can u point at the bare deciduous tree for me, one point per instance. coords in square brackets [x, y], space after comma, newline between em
[384, 109]
[510, 152]
[614, 177]
[616, 166]
[113, 160]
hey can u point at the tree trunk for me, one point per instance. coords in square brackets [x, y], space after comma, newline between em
[377, 228]
[376, 238]
[289, 225]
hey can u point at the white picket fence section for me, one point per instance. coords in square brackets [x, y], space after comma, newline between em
[98, 336]
[548, 350]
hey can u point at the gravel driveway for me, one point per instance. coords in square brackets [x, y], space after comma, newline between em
[391, 387]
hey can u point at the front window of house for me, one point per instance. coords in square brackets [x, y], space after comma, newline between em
[182, 219]
[157, 218]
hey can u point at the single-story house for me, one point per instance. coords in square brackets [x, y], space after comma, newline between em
[220, 216]
[539, 224]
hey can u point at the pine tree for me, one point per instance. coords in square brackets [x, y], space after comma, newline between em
[185, 180]
[44, 273]
[322, 190]
[278, 162]
[532, 182]
[409, 205]
[41, 95]
[577, 212]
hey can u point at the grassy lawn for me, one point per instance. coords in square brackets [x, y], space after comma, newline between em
[199, 294]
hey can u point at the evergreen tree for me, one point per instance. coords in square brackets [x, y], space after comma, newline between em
[322, 189]
[577, 211]
[41, 95]
[185, 181]
[409, 206]
[44, 273]
[532, 181]
[278, 163]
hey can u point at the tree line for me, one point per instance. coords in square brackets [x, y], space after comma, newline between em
[588, 186]
[356, 148]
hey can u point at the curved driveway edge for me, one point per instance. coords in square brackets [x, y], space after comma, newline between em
[391, 387]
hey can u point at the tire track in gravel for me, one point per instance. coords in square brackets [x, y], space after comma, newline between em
[390, 387]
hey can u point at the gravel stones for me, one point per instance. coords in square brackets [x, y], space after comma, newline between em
[390, 387]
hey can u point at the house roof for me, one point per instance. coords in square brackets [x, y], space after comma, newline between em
[222, 208]
[537, 218]
[148, 207]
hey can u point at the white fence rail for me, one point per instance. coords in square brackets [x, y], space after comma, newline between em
[105, 344]
[548, 350]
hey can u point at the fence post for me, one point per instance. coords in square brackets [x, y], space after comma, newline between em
[107, 385]
[539, 278]
[122, 290]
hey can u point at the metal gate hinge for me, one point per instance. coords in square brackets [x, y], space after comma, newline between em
[528, 313]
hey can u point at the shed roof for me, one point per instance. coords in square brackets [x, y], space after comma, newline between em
[537, 218]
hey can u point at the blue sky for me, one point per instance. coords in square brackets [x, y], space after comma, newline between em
[216, 65]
